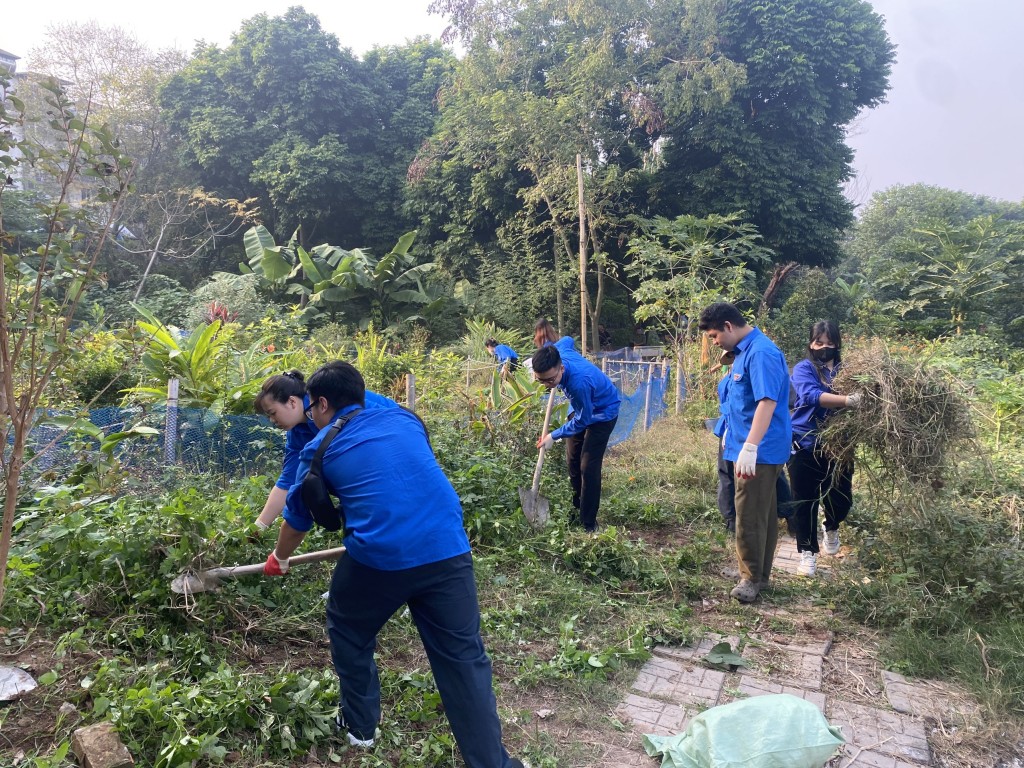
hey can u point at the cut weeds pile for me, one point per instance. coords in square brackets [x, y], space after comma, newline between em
[243, 676]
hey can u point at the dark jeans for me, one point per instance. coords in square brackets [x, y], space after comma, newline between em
[584, 453]
[727, 493]
[818, 480]
[442, 600]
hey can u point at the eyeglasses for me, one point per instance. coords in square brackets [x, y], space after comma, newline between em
[308, 412]
[547, 379]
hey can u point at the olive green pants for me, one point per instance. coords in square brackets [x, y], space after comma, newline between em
[757, 525]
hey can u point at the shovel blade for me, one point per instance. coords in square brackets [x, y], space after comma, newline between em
[191, 583]
[535, 507]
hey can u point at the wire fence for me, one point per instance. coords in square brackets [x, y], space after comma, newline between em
[203, 440]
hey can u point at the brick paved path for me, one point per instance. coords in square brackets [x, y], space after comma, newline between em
[674, 686]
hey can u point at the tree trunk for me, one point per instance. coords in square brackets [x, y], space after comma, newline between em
[149, 266]
[12, 481]
[779, 275]
[584, 296]
[559, 310]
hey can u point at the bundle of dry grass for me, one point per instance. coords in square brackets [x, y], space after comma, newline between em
[910, 418]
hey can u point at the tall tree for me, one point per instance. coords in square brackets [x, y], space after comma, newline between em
[280, 114]
[776, 147]
[541, 83]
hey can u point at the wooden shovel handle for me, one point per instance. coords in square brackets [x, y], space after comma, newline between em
[245, 570]
[540, 456]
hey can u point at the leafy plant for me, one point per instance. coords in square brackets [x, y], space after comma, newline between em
[211, 374]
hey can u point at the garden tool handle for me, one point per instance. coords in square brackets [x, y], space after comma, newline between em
[307, 557]
[540, 456]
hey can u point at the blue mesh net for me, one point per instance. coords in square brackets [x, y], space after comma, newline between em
[199, 439]
[642, 387]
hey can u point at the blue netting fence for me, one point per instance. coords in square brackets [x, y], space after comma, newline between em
[642, 386]
[204, 441]
[196, 438]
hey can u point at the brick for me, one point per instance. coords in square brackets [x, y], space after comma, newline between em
[900, 737]
[99, 746]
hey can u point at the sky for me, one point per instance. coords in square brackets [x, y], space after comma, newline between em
[954, 115]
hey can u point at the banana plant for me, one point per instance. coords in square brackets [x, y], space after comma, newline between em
[211, 374]
[353, 283]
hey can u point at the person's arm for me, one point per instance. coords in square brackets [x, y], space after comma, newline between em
[273, 508]
[762, 419]
[746, 463]
[582, 401]
[288, 541]
[832, 400]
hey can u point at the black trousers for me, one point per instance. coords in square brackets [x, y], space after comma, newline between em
[442, 600]
[584, 454]
[818, 480]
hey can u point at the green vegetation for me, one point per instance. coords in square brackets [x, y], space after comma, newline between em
[286, 203]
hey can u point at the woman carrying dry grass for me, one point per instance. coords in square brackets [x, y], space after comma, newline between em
[818, 480]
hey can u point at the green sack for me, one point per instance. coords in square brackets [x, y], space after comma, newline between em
[776, 731]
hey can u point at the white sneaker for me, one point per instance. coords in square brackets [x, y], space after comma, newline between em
[808, 564]
[831, 542]
[359, 743]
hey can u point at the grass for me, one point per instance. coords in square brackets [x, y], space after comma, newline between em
[567, 620]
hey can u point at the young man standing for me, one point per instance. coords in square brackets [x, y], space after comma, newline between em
[595, 409]
[406, 545]
[758, 436]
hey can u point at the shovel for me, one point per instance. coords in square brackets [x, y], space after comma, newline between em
[191, 582]
[535, 506]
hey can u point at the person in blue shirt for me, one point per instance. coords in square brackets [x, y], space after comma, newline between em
[726, 485]
[508, 360]
[283, 400]
[757, 439]
[819, 481]
[405, 545]
[595, 409]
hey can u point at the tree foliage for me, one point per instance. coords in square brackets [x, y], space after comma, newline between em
[775, 147]
[285, 115]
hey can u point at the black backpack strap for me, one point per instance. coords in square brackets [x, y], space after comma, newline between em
[336, 427]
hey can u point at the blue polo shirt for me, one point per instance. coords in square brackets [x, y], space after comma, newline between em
[505, 353]
[758, 373]
[400, 509]
[297, 437]
[810, 381]
[723, 392]
[591, 394]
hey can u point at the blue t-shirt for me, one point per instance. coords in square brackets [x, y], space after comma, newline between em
[810, 381]
[723, 392]
[758, 373]
[505, 353]
[297, 437]
[400, 509]
[591, 394]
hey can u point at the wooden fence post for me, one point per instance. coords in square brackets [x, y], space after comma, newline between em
[410, 391]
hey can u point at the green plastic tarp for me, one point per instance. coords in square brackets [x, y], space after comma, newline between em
[775, 731]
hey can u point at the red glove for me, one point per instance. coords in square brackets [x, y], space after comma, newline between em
[275, 566]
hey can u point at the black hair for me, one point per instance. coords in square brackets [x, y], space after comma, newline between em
[715, 317]
[830, 330]
[339, 383]
[279, 389]
[546, 358]
[491, 343]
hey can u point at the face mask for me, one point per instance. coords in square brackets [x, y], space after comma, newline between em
[825, 354]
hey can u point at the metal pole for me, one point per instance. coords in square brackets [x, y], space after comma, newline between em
[679, 383]
[410, 391]
[171, 423]
[647, 399]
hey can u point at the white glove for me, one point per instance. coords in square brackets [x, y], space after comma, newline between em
[261, 525]
[746, 462]
[854, 400]
[546, 442]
